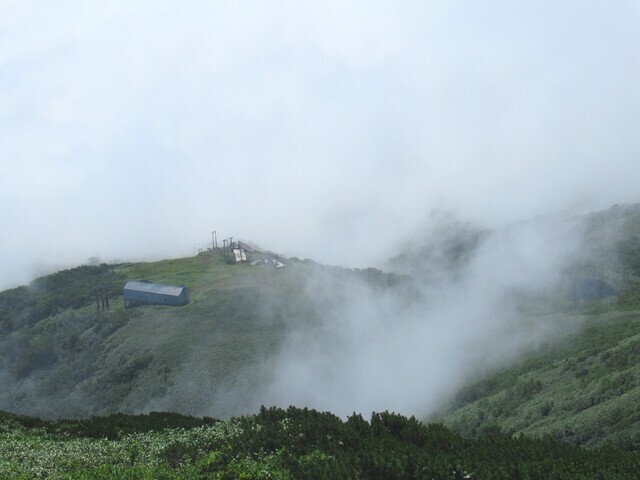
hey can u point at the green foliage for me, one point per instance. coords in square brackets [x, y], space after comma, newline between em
[288, 444]
[580, 390]
[12, 304]
[49, 295]
[39, 353]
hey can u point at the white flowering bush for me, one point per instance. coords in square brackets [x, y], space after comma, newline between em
[34, 453]
[285, 445]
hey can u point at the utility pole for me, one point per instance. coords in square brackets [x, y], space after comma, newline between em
[101, 293]
[214, 240]
[95, 293]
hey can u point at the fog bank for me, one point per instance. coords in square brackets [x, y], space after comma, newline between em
[131, 131]
[377, 351]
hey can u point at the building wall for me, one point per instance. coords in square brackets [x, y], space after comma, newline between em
[148, 298]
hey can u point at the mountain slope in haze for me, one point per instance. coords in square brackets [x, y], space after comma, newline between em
[583, 389]
[608, 242]
[62, 358]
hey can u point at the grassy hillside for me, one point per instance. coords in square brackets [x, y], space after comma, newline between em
[279, 444]
[584, 389]
[60, 357]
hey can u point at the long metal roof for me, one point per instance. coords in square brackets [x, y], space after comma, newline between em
[154, 288]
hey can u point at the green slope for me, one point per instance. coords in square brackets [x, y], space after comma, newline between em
[584, 390]
[62, 358]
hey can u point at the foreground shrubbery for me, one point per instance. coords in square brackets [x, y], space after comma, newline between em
[292, 443]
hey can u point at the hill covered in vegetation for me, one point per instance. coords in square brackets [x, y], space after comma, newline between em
[582, 389]
[579, 383]
[61, 357]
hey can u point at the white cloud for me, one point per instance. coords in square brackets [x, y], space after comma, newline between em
[338, 119]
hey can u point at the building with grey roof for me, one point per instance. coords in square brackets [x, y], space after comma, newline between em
[144, 293]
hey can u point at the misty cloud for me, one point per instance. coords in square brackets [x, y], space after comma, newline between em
[131, 131]
[377, 351]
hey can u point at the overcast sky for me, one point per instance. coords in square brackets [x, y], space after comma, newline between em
[131, 130]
